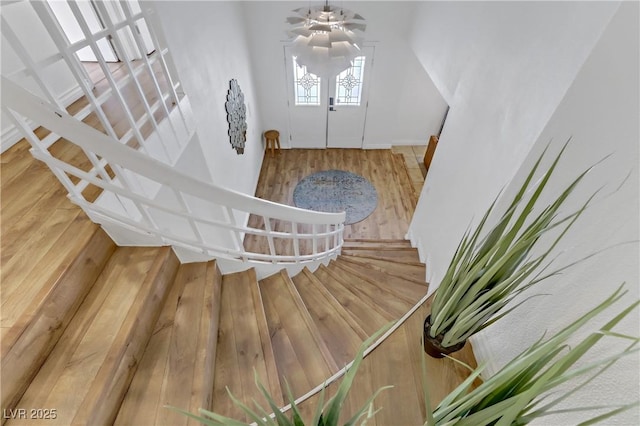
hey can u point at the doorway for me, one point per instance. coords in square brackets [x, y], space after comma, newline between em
[328, 113]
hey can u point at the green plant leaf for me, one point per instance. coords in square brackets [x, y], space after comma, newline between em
[334, 405]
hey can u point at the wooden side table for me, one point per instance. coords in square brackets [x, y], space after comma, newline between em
[272, 138]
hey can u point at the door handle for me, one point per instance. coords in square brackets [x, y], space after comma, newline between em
[331, 104]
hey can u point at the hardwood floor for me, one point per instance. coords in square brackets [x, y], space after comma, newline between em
[385, 170]
[414, 159]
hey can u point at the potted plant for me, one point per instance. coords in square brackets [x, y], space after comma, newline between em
[521, 391]
[486, 273]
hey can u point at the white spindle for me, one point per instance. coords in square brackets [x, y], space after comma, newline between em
[142, 50]
[163, 63]
[117, 43]
[107, 72]
[34, 69]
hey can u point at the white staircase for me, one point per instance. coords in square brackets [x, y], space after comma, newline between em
[143, 199]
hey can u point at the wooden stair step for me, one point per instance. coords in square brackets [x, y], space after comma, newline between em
[31, 258]
[342, 334]
[31, 184]
[414, 272]
[369, 319]
[28, 343]
[243, 345]
[181, 353]
[15, 161]
[303, 358]
[402, 255]
[386, 244]
[378, 298]
[89, 370]
[399, 287]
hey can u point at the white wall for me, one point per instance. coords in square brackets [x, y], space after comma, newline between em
[404, 105]
[25, 23]
[503, 67]
[209, 48]
[518, 75]
[601, 112]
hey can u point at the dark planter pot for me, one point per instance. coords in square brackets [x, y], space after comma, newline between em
[433, 345]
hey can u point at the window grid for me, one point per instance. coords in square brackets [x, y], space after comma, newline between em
[349, 83]
[306, 86]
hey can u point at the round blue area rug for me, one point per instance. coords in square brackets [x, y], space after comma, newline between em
[335, 191]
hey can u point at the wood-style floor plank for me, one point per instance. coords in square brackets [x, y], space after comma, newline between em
[102, 400]
[35, 333]
[396, 287]
[400, 256]
[142, 403]
[339, 330]
[414, 272]
[302, 357]
[369, 319]
[381, 300]
[397, 361]
[241, 348]
[67, 375]
[23, 287]
[280, 175]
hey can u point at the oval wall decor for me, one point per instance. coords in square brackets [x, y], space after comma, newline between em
[236, 116]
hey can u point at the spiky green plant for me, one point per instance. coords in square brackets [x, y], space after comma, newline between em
[486, 274]
[521, 390]
[325, 414]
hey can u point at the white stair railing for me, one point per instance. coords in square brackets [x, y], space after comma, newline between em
[320, 234]
[130, 163]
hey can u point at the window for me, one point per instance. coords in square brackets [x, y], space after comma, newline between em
[306, 86]
[349, 83]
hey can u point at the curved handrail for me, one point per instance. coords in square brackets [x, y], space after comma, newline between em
[127, 163]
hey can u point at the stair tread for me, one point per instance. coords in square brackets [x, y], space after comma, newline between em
[378, 241]
[34, 334]
[180, 354]
[399, 287]
[37, 260]
[102, 402]
[342, 334]
[241, 347]
[378, 298]
[66, 377]
[303, 358]
[369, 319]
[142, 401]
[398, 255]
[410, 272]
[20, 305]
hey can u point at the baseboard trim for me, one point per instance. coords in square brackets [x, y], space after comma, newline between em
[403, 142]
[12, 135]
[378, 146]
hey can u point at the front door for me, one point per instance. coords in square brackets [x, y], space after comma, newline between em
[328, 112]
